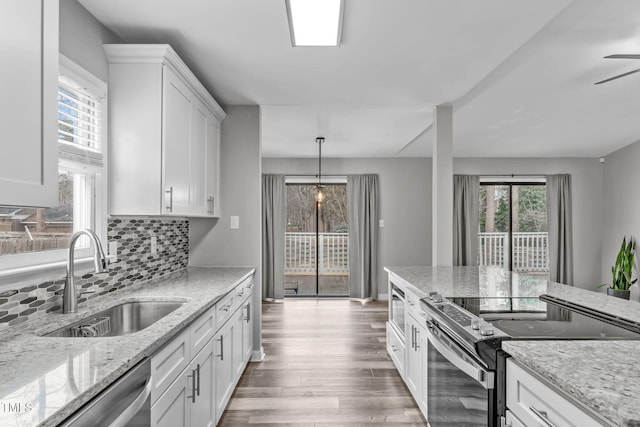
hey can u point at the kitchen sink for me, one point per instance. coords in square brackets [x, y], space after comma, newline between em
[122, 319]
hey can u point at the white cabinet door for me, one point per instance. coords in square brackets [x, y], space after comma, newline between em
[238, 362]
[199, 160]
[203, 404]
[176, 144]
[416, 361]
[223, 349]
[28, 115]
[172, 409]
[247, 331]
[213, 167]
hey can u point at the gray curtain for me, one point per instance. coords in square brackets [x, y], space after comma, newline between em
[362, 193]
[466, 208]
[560, 229]
[274, 217]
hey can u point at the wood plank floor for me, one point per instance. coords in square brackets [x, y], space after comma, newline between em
[326, 365]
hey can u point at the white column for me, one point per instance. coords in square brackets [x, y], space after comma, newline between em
[442, 192]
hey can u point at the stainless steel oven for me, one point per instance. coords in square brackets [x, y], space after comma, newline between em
[459, 386]
[466, 375]
[396, 310]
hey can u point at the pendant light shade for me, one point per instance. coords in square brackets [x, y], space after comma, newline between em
[320, 194]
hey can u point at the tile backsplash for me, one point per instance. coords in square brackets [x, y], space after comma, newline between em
[135, 263]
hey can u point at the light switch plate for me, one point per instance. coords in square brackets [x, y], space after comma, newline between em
[235, 222]
[113, 250]
[154, 245]
[381, 223]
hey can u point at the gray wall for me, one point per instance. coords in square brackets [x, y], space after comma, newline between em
[82, 37]
[213, 242]
[405, 203]
[586, 181]
[621, 204]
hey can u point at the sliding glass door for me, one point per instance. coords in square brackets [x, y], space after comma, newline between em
[316, 242]
[513, 227]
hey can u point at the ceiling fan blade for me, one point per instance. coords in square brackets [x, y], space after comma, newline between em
[618, 76]
[623, 56]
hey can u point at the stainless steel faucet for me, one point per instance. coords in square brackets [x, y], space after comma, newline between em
[71, 294]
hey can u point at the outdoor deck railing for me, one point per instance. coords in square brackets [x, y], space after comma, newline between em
[530, 252]
[300, 253]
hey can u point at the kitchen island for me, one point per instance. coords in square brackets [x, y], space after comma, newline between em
[35, 370]
[600, 376]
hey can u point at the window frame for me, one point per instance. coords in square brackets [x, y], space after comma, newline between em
[17, 269]
[511, 182]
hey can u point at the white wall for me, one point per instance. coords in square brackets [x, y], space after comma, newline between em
[82, 37]
[213, 242]
[621, 204]
[405, 203]
[586, 181]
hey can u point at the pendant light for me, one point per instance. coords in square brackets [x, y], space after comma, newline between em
[320, 194]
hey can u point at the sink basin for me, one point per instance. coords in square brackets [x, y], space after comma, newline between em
[122, 319]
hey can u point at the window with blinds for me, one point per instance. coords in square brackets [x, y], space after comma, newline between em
[81, 195]
[79, 124]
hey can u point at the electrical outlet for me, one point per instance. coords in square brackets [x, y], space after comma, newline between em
[113, 250]
[154, 245]
[235, 222]
[381, 223]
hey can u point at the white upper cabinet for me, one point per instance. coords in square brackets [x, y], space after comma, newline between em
[28, 114]
[164, 135]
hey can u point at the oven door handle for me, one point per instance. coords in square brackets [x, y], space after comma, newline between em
[482, 376]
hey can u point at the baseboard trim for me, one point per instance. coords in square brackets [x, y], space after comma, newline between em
[258, 355]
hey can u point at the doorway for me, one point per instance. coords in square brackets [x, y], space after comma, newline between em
[513, 227]
[316, 242]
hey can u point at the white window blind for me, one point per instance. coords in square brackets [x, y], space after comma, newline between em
[79, 124]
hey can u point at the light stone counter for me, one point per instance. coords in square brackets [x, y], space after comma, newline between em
[604, 376]
[43, 379]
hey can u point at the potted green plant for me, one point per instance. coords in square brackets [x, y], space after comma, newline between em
[622, 270]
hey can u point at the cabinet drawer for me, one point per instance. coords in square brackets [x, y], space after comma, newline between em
[395, 348]
[243, 291]
[167, 363]
[202, 330]
[531, 401]
[225, 308]
[412, 303]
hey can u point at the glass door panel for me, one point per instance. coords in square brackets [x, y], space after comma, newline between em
[316, 242]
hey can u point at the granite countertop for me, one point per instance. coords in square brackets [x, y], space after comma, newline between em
[603, 376]
[44, 379]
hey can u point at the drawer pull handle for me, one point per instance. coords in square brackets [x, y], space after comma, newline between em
[542, 415]
[169, 192]
[221, 347]
[198, 382]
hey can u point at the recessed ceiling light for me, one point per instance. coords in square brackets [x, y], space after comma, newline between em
[315, 22]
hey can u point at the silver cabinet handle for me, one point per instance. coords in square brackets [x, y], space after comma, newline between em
[542, 416]
[221, 355]
[170, 204]
[248, 318]
[210, 201]
[198, 382]
[417, 343]
[413, 337]
[394, 348]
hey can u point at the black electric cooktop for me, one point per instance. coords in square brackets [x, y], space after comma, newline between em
[541, 318]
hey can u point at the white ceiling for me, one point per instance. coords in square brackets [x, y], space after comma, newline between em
[519, 73]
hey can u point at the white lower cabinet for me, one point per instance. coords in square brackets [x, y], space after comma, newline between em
[415, 368]
[395, 348]
[533, 403]
[224, 371]
[203, 409]
[247, 331]
[172, 408]
[194, 375]
[512, 420]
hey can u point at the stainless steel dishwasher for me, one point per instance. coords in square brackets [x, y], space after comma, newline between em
[126, 402]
